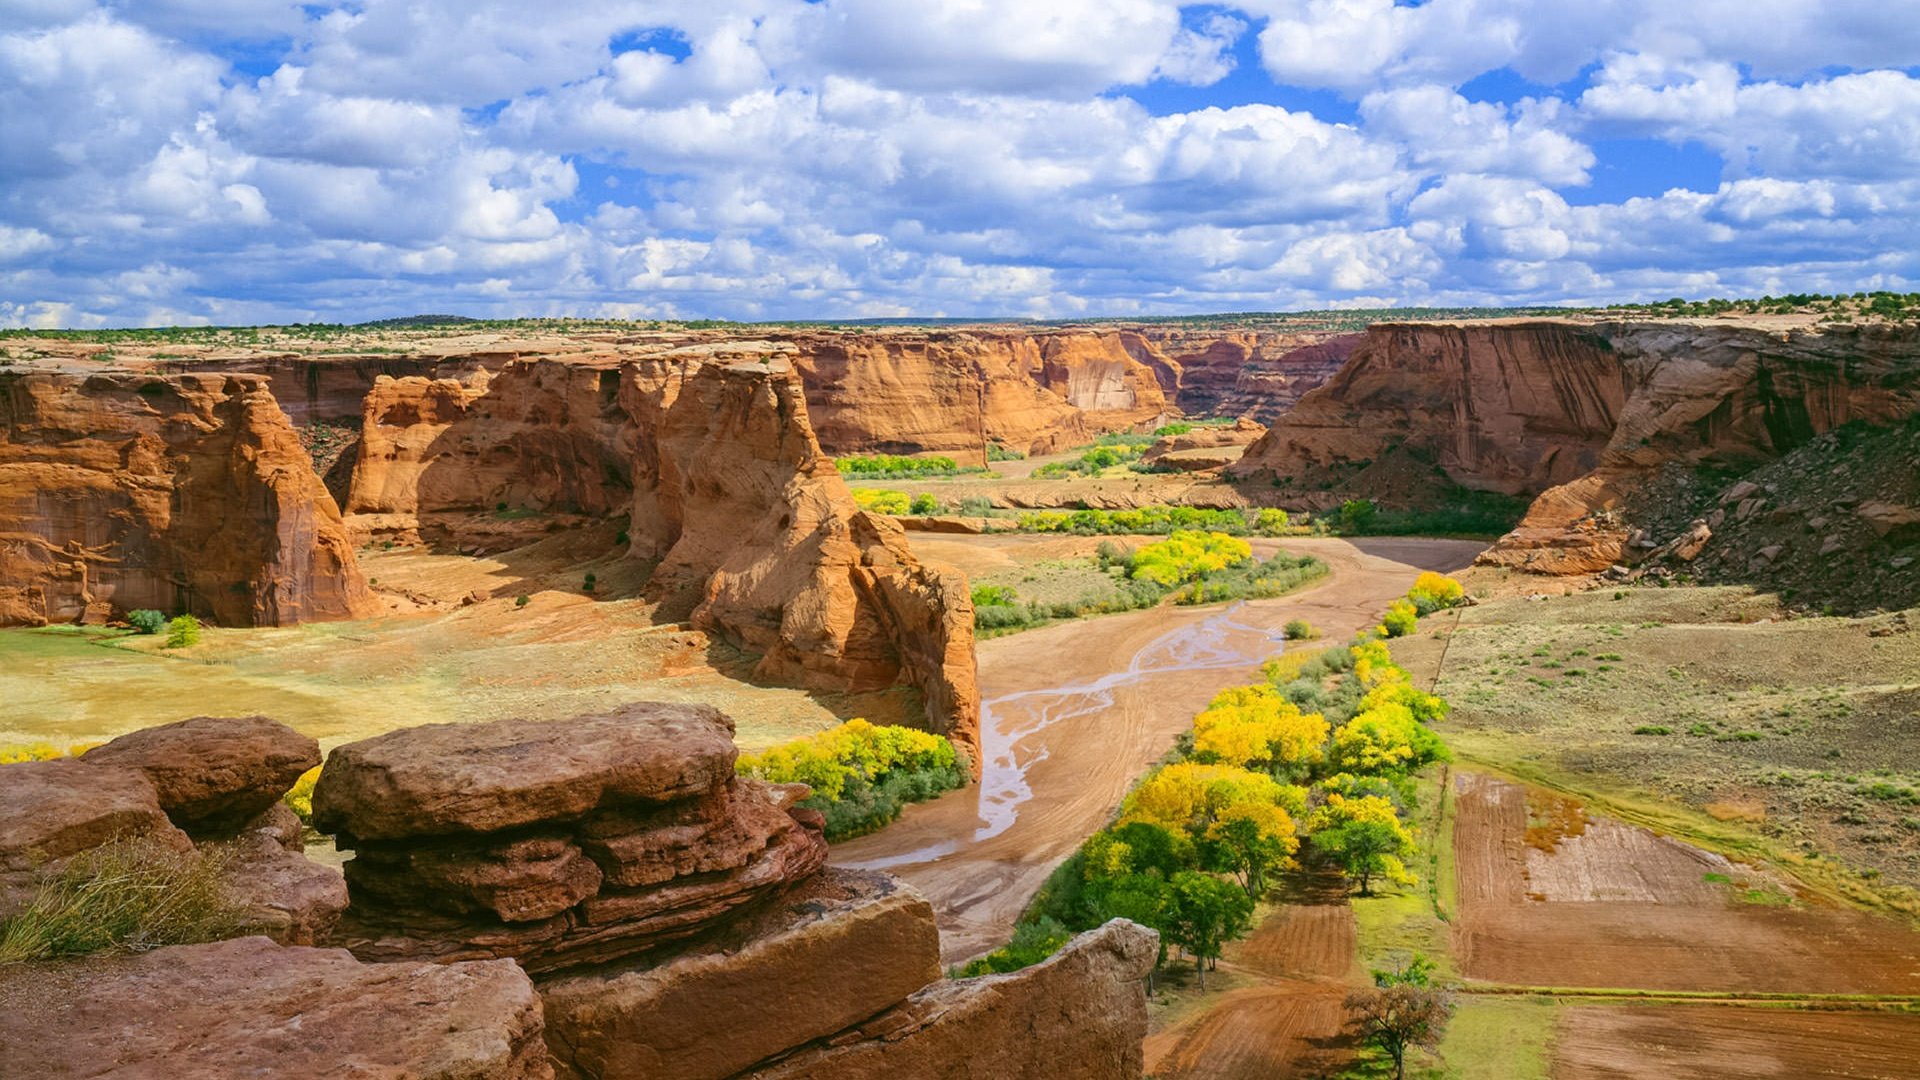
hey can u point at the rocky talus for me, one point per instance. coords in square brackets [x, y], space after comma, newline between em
[1580, 415]
[121, 491]
[597, 898]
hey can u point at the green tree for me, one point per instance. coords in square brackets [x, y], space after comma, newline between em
[1203, 913]
[146, 620]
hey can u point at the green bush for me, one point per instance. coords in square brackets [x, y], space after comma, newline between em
[897, 466]
[880, 501]
[993, 595]
[996, 452]
[1301, 630]
[182, 632]
[146, 620]
[1032, 942]
[522, 600]
[924, 503]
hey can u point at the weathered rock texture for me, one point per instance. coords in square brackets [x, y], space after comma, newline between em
[51, 811]
[186, 492]
[248, 1007]
[1208, 447]
[214, 774]
[434, 454]
[1581, 414]
[1079, 1015]
[824, 957]
[757, 535]
[1257, 374]
[558, 843]
[955, 392]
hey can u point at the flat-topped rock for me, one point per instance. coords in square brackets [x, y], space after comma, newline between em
[445, 779]
[214, 774]
[51, 811]
[248, 1007]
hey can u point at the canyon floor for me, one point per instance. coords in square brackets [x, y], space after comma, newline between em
[1073, 713]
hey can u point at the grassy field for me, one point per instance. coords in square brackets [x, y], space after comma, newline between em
[1703, 712]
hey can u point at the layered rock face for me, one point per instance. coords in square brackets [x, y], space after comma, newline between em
[1256, 374]
[123, 491]
[558, 844]
[248, 1007]
[955, 392]
[757, 536]
[436, 453]
[1581, 414]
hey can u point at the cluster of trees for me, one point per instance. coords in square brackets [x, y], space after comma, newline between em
[1315, 761]
[861, 773]
[1158, 520]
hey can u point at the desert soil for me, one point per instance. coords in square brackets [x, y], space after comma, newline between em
[1075, 712]
[1658, 1042]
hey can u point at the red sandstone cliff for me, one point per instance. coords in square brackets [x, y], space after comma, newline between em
[121, 491]
[1224, 372]
[758, 535]
[1580, 414]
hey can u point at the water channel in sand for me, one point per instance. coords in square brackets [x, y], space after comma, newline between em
[1219, 641]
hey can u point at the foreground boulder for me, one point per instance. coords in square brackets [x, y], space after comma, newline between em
[51, 811]
[248, 1007]
[1081, 1014]
[557, 843]
[214, 774]
[827, 955]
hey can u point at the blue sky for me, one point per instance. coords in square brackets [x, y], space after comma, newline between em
[236, 161]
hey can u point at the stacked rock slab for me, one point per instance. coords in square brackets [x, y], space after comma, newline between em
[248, 1007]
[559, 844]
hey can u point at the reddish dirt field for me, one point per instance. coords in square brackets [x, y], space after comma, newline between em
[1621, 907]
[1658, 1042]
[1292, 1025]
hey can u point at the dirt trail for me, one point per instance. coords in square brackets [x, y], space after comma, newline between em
[1074, 712]
[1655, 1042]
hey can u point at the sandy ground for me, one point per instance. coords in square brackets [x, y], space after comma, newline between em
[1632, 909]
[1075, 712]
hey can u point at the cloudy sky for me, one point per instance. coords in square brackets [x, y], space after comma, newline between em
[236, 161]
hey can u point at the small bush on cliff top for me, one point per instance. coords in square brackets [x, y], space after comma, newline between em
[146, 620]
[861, 774]
[124, 895]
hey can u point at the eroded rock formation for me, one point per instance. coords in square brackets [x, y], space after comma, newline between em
[212, 775]
[558, 844]
[249, 1007]
[1258, 374]
[121, 491]
[1581, 414]
[757, 536]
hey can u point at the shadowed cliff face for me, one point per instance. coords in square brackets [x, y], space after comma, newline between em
[1580, 415]
[125, 491]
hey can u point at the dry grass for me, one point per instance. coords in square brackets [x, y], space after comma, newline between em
[127, 895]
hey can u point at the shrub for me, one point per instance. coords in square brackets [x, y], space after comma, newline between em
[924, 503]
[882, 502]
[587, 584]
[13, 755]
[1401, 619]
[299, 797]
[182, 632]
[896, 466]
[522, 600]
[996, 452]
[1272, 522]
[993, 595]
[1436, 590]
[1301, 630]
[124, 895]
[861, 774]
[146, 620]
[1032, 942]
